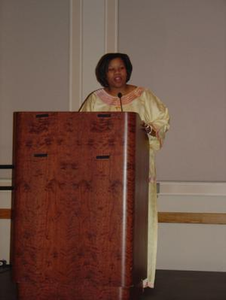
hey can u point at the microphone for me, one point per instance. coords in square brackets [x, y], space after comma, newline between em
[120, 99]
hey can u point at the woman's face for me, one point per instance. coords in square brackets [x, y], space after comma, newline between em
[116, 74]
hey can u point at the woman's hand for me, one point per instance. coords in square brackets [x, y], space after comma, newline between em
[149, 129]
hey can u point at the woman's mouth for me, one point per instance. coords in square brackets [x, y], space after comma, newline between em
[118, 79]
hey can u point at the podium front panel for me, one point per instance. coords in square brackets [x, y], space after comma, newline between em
[79, 205]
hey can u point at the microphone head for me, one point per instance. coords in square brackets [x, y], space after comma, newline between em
[120, 95]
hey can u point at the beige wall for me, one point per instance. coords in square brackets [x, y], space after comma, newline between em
[34, 58]
[48, 51]
[179, 51]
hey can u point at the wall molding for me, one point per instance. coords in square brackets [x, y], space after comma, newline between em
[168, 188]
[111, 26]
[75, 54]
[88, 45]
[5, 213]
[192, 218]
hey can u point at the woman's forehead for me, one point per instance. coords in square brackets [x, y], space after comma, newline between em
[116, 61]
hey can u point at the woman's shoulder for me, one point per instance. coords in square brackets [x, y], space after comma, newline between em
[150, 99]
[95, 93]
[89, 102]
[145, 93]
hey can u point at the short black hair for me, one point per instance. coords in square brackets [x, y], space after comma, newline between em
[102, 66]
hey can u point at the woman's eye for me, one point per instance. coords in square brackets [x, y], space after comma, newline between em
[116, 69]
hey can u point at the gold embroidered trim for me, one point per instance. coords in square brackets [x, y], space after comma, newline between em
[113, 100]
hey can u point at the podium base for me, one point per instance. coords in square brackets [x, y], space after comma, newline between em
[28, 291]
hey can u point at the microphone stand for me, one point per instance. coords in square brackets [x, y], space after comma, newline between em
[120, 99]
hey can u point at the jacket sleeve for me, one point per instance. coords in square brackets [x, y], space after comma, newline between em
[157, 116]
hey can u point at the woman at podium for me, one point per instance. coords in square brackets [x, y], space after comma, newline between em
[113, 72]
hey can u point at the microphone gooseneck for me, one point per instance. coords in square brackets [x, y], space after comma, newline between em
[120, 99]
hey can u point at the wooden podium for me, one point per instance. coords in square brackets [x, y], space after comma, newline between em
[80, 205]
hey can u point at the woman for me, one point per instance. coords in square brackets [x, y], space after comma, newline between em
[113, 71]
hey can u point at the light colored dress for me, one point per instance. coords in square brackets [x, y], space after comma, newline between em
[154, 113]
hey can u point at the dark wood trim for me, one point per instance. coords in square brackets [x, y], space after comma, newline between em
[5, 213]
[192, 218]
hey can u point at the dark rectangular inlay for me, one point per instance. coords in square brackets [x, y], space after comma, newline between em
[42, 115]
[104, 115]
[40, 155]
[102, 156]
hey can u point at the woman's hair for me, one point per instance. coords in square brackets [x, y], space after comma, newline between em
[102, 66]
